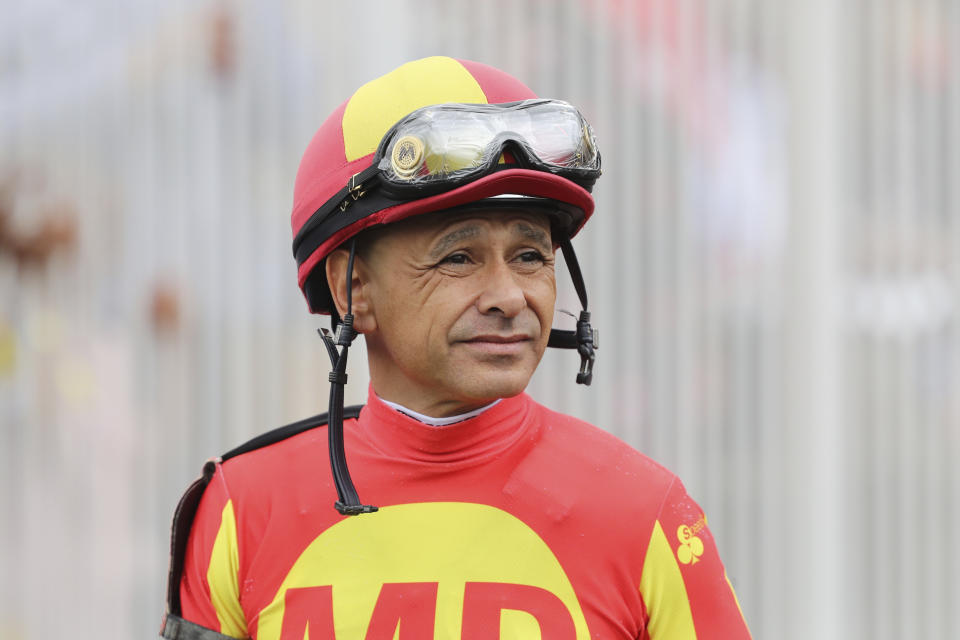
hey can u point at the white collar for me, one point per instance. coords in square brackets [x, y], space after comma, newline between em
[438, 422]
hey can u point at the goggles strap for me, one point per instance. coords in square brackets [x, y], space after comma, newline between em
[348, 503]
[584, 339]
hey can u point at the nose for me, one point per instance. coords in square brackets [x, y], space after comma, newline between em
[501, 292]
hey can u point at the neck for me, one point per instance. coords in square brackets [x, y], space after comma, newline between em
[417, 404]
[438, 422]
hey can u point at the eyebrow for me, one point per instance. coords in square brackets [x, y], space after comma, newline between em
[536, 235]
[455, 236]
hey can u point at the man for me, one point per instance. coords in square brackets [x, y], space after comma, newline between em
[427, 212]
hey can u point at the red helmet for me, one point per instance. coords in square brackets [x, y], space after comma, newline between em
[328, 208]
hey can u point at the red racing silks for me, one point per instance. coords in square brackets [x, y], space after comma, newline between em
[517, 523]
[684, 585]
[209, 589]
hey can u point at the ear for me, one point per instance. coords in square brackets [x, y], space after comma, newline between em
[364, 320]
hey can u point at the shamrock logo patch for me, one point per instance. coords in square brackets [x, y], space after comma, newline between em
[691, 546]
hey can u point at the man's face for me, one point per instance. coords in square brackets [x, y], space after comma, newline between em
[459, 307]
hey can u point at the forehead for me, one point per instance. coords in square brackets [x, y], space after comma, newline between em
[426, 232]
[473, 222]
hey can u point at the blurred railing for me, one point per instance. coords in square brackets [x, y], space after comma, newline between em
[774, 267]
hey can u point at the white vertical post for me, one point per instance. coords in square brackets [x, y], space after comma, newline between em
[817, 533]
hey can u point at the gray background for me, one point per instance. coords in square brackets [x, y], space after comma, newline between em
[773, 267]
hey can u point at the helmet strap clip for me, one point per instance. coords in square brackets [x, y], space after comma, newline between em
[345, 332]
[586, 343]
[585, 339]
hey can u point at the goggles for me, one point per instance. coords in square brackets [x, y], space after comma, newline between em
[443, 146]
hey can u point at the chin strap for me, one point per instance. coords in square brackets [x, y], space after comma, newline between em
[349, 501]
[585, 339]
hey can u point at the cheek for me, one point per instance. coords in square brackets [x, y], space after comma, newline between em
[442, 310]
[545, 299]
[421, 315]
[397, 296]
[542, 297]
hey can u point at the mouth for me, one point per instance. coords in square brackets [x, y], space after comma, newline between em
[498, 339]
[495, 344]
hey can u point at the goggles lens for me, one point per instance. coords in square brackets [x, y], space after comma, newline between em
[450, 143]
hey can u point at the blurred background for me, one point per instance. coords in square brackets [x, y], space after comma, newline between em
[774, 267]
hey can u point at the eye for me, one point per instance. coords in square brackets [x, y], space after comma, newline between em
[456, 258]
[531, 256]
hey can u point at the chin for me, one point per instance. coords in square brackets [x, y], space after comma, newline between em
[490, 385]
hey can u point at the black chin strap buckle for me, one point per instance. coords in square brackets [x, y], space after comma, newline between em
[354, 509]
[587, 342]
[585, 338]
[345, 332]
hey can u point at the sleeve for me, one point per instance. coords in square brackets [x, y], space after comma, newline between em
[209, 588]
[683, 584]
